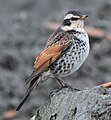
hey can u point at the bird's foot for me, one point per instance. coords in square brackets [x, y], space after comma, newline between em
[64, 85]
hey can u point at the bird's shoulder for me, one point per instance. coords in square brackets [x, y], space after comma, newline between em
[59, 37]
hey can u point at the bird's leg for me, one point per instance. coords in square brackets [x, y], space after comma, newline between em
[60, 81]
[63, 84]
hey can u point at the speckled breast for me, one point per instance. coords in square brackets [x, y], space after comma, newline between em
[72, 58]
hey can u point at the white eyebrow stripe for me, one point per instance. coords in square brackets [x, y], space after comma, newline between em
[70, 15]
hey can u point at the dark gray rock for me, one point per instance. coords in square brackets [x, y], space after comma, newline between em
[69, 104]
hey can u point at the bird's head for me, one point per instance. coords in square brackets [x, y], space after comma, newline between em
[73, 20]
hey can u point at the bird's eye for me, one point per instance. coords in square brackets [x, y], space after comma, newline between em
[67, 22]
[74, 19]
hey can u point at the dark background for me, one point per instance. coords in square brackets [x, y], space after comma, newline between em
[23, 35]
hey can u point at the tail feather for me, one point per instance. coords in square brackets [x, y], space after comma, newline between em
[33, 83]
[32, 76]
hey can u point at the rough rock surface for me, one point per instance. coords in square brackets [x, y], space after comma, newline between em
[69, 104]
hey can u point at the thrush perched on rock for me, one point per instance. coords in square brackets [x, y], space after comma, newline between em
[65, 51]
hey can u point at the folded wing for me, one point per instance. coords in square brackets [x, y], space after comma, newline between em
[50, 54]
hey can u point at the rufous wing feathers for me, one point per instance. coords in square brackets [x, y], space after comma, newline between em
[49, 56]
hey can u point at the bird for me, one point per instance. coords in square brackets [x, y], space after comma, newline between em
[65, 51]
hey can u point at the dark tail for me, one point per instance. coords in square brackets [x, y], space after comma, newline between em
[33, 83]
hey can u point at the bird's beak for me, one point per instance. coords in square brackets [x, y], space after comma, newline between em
[83, 17]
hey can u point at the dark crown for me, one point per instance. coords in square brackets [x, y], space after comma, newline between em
[75, 13]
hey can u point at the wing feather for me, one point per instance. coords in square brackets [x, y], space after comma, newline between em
[50, 54]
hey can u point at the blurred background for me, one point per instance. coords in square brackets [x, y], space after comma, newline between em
[23, 34]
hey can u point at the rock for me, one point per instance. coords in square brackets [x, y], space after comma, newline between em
[69, 104]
